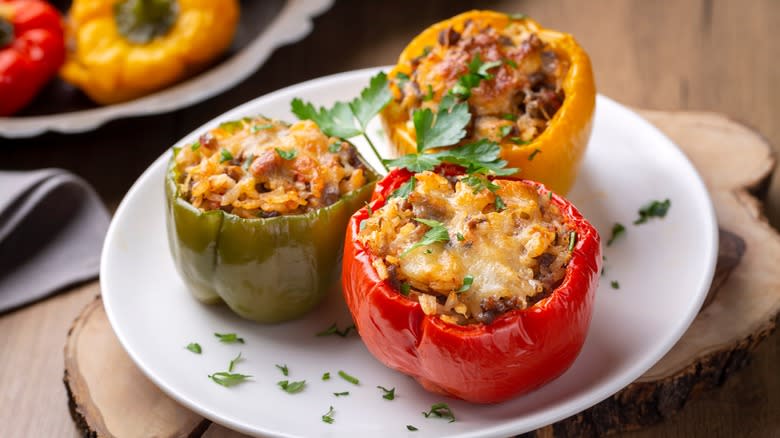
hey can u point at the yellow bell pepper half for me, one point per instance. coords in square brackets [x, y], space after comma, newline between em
[121, 50]
[553, 156]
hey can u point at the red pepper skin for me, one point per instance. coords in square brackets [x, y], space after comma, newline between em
[481, 363]
[35, 54]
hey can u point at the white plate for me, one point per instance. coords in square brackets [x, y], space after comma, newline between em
[279, 25]
[664, 268]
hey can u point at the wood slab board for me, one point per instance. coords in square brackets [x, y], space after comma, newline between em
[110, 397]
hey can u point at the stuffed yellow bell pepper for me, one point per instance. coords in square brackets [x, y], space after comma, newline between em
[528, 88]
[121, 50]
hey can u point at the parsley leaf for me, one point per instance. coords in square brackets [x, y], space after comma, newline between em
[328, 417]
[429, 96]
[415, 162]
[506, 130]
[481, 156]
[228, 379]
[194, 347]
[468, 280]
[518, 141]
[572, 240]
[231, 126]
[460, 237]
[283, 369]
[437, 233]
[479, 183]
[617, 230]
[445, 129]
[372, 99]
[339, 120]
[389, 393]
[440, 410]
[351, 379]
[615, 284]
[499, 203]
[234, 361]
[405, 288]
[334, 147]
[292, 387]
[341, 394]
[483, 69]
[334, 330]
[195, 146]
[653, 209]
[404, 190]
[225, 155]
[411, 428]
[326, 376]
[229, 338]
[478, 71]
[256, 128]
[287, 155]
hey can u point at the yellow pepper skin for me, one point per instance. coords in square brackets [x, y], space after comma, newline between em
[110, 68]
[553, 157]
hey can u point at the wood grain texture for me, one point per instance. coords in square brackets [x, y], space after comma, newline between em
[714, 55]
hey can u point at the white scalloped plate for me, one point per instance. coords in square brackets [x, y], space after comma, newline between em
[664, 267]
[292, 23]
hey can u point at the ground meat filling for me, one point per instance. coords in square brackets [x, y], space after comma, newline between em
[258, 167]
[515, 104]
[486, 261]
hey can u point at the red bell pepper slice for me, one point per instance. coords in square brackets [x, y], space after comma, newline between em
[482, 363]
[32, 50]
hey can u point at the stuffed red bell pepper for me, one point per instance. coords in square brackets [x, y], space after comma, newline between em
[480, 288]
[32, 50]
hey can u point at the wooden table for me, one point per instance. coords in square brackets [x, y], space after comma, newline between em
[703, 55]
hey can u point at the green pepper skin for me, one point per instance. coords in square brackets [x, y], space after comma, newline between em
[267, 270]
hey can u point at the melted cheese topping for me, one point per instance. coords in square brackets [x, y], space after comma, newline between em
[517, 99]
[264, 168]
[515, 256]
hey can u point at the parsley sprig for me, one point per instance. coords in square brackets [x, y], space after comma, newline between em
[478, 70]
[228, 379]
[389, 394]
[349, 119]
[437, 233]
[440, 410]
[292, 387]
[447, 127]
[229, 338]
[653, 209]
[334, 330]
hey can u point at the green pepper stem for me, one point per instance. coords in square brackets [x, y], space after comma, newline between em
[376, 152]
[141, 21]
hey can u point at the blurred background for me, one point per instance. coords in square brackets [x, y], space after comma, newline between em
[694, 55]
[702, 55]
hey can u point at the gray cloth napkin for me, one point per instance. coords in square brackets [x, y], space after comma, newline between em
[52, 225]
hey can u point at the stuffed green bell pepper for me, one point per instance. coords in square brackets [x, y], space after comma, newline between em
[256, 213]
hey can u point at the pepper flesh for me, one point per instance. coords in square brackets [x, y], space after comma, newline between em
[560, 146]
[110, 68]
[267, 270]
[482, 363]
[32, 49]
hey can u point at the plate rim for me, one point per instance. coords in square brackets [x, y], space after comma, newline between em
[291, 24]
[564, 410]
